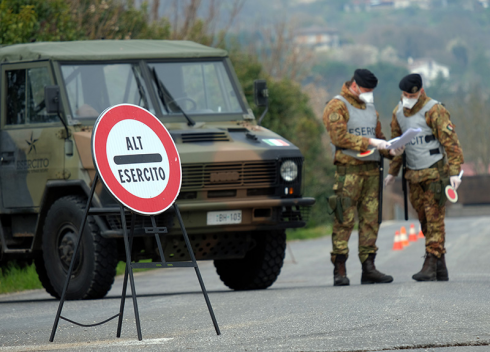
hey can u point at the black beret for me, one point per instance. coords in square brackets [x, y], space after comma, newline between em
[365, 78]
[411, 83]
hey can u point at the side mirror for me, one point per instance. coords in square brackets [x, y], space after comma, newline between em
[52, 99]
[261, 93]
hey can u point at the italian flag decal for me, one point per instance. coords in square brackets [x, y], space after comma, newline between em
[276, 142]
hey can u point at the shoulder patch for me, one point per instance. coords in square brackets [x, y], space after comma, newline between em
[449, 128]
[334, 117]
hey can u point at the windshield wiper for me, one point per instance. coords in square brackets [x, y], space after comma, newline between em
[162, 91]
[141, 91]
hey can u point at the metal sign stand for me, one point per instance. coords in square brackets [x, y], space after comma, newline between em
[128, 241]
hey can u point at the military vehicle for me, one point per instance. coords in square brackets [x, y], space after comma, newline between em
[241, 183]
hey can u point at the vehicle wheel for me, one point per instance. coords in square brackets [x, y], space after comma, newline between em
[43, 277]
[95, 266]
[259, 268]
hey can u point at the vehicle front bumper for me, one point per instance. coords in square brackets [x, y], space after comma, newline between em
[257, 215]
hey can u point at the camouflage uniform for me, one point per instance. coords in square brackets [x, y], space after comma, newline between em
[354, 178]
[430, 212]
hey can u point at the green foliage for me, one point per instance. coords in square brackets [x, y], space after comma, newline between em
[14, 278]
[16, 27]
[24, 21]
[309, 233]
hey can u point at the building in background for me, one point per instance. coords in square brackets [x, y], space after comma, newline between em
[428, 69]
[317, 38]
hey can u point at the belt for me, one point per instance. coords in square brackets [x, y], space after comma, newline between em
[351, 169]
[438, 165]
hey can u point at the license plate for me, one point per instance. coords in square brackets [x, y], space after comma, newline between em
[224, 217]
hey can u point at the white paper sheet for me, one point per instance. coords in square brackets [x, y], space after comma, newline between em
[404, 138]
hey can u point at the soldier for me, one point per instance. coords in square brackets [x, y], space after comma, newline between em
[428, 170]
[353, 125]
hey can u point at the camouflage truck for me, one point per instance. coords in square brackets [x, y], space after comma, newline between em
[241, 183]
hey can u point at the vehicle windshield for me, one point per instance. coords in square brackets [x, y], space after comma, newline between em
[93, 88]
[197, 88]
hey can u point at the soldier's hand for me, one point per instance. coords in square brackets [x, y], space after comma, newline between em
[455, 181]
[389, 180]
[397, 151]
[378, 143]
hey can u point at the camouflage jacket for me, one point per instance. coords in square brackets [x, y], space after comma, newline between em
[335, 118]
[438, 119]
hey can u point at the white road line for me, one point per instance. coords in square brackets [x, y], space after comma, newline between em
[89, 345]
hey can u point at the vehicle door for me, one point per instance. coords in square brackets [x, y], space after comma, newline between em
[32, 144]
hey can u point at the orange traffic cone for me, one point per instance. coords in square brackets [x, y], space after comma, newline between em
[412, 235]
[397, 245]
[421, 234]
[403, 236]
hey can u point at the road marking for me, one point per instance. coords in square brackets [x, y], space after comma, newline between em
[89, 345]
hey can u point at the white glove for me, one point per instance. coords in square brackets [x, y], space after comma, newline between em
[397, 151]
[455, 181]
[378, 143]
[389, 180]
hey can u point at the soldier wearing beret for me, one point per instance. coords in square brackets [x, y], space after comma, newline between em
[354, 127]
[433, 160]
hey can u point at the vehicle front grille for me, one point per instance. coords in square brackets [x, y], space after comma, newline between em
[257, 173]
[204, 137]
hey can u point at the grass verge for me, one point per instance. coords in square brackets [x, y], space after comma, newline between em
[309, 233]
[16, 279]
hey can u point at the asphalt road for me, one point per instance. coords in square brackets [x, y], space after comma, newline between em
[302, 311]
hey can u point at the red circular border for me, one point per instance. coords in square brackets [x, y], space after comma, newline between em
[454, 197]
[103, 126]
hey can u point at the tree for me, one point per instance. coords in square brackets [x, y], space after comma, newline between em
[29, 20]
[24, 21]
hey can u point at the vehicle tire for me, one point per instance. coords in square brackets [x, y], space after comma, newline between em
[259, 268]
[95, 266]
[43, 277]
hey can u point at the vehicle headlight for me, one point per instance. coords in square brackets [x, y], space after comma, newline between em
[289, 170]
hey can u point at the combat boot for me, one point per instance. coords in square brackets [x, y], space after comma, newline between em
[442, 274]
[340, 272]
[372, 276]
[429, 269]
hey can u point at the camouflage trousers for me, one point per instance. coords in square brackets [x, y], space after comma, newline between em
[363, 190]
[431, 216]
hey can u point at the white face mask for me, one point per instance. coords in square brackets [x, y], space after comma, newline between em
[367, 97]
[409, 103]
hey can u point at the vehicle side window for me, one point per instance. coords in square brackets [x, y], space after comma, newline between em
[16, 92]
[25, 96]
[37, 79]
